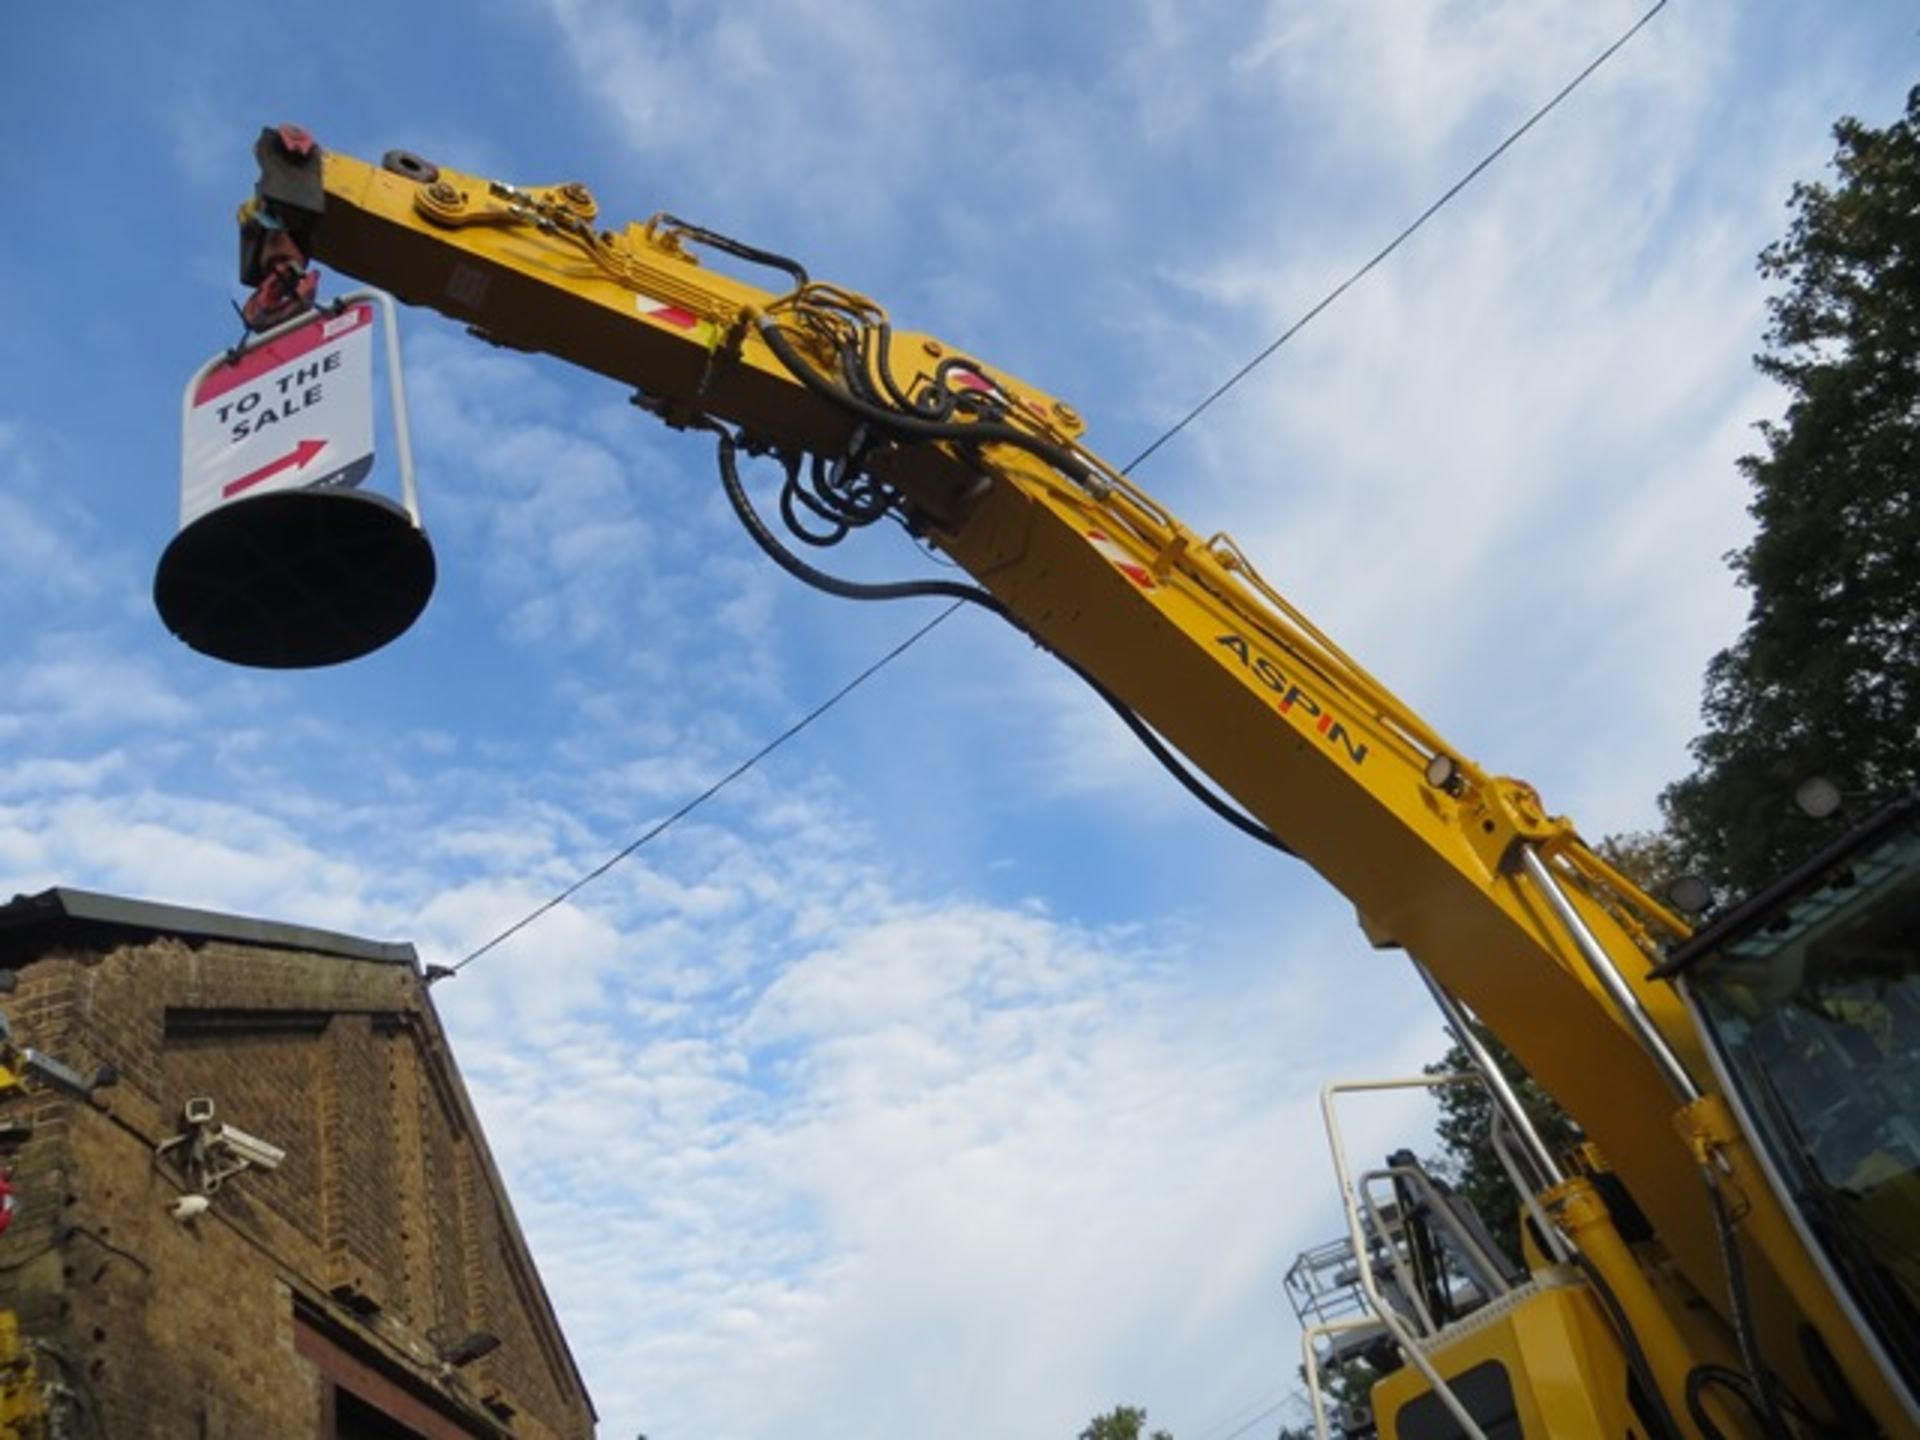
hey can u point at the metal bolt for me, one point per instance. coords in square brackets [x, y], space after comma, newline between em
[441, 193]
[933, 348]
[1066, 413]
[576, 194]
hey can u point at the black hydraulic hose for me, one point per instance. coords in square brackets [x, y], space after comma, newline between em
[1630, 1342]
[739, 248]
[821, 539]
[854, 359]
[935, 402]
[812, 495]
[771, 546]
[1177, 767]
[1850, 1416]
[1732, 1381]
[885, 367]
[1758, 1376]
[1698, 1379]
[859, 360]
[961, 363]
[911, 426]
[853, 497]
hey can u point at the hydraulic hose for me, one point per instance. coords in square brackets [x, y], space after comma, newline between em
[1662, 1418]
[885, 367]
[738, 248]
[910, 426]
[770, 545]
[775, 551]
[1765, 1398]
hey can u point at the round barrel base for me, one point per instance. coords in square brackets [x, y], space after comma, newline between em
[296, 578]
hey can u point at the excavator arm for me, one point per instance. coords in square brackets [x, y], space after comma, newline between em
[1500, 903]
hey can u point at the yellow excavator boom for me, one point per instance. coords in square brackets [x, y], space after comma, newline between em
[1497, 900]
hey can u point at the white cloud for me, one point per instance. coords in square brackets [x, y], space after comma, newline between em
[55, 777]
[77, 685]
[897, 1162]
[1521, 429]
[191, 852]
[812, 1089]
[943, 1124]
[49, 536]
[1401, 81]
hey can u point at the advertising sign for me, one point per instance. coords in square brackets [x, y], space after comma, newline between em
[294, 413]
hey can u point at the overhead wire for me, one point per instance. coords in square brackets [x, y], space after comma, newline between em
[923, 428]
[1398, 240]
[1248, 1412]
[707, 794]
[1248, 1424]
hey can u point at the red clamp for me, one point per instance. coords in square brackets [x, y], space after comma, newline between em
[294, 141]
[272, 262]
[287, 291]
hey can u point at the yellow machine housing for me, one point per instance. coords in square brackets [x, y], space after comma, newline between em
[1498, 901]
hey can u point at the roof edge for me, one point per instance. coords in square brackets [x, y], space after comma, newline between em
[150, 917]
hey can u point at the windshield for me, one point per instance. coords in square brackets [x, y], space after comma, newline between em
[1817, 1012]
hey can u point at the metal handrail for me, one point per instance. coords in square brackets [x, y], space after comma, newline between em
[1408, 1343]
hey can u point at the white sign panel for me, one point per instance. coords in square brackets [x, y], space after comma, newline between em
[296, 411]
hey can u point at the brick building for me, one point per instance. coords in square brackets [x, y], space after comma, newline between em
[370, 1285]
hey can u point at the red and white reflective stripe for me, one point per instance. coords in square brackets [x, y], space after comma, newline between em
[971, 380]
[673, 315]
[1122, 561]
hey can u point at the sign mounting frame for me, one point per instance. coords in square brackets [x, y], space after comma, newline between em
[396, 390]
[281, 563]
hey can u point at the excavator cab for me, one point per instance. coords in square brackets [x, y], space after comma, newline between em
[1809, 995]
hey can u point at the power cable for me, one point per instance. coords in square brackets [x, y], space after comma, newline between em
[1273, 1409]
[1395, 243]
[705, 795]
[771, 333]
[1212, 1432]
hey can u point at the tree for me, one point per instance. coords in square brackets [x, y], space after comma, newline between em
[1466, 1160]
[1652, 859]
[1123, 1422]
[1825, 678]
[1346, 1387]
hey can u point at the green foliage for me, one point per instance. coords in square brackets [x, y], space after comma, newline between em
[1343, 1386]
[1652, 859]
[1466, 1160]
[1123, 1422]
[1825, 679]
[1350, 1385]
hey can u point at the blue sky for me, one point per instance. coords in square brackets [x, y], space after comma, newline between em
[954, 1069]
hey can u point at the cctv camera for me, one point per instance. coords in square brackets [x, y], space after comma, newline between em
[251, 1148]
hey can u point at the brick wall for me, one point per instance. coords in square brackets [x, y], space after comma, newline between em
[385, 1228]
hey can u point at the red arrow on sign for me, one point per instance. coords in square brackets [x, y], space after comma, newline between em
[296, 459]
